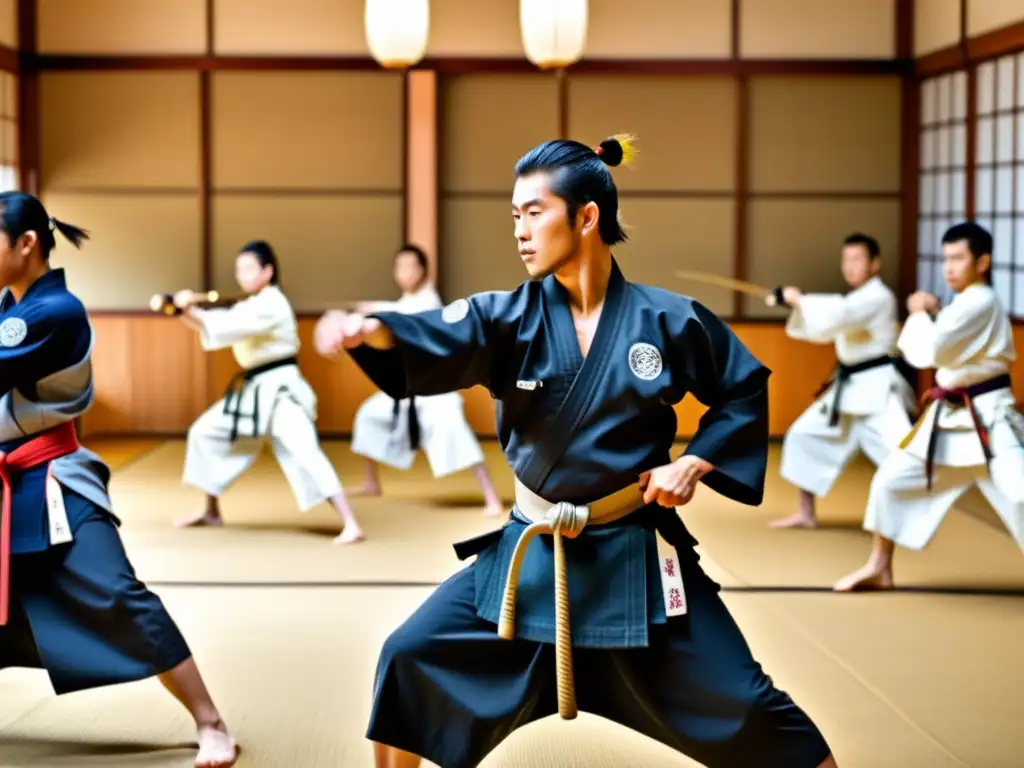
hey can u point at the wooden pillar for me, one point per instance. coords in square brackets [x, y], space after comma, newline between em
[421, 172]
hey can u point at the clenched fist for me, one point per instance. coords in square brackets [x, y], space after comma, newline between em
[672, 485]
[337, 331]
[922, 301]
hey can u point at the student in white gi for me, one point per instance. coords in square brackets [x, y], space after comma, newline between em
[390, 432]
[970, 433]
[865, 406]
[269, 399]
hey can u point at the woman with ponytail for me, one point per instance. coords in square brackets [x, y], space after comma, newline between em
[586, 368]
[70, 602]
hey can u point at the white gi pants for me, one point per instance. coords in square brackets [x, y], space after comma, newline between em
[902, 509]
[445, 436]
[814, 454]
[213, 463]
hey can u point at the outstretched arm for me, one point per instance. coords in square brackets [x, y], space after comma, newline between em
[221, 328]
[427, 353]
[823, 317]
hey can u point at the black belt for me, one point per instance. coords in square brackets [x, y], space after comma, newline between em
[962, 396]
[414, 422]
[237, 386]
[842, 375]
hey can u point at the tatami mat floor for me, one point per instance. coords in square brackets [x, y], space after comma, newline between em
[286, 627]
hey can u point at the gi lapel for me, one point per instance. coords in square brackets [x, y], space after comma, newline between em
[578, 401]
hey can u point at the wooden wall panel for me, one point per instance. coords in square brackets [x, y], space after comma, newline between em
[116, 130]
[936, 25]
[138, 245]
[852, 29]
[676, 152]
[307, 130]
[825, 134]
[121, 26]
[295, 27]
[152, 377]
[988, 15]
[9, 23]
[485, 128]
[653, 29]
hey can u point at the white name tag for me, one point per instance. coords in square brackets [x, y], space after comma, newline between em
[530, 385]
[60, 529]
[671, 580]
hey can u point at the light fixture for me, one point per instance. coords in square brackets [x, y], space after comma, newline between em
[554, 32]
[397, 31]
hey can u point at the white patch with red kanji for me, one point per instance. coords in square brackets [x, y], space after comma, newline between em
[672, 586]
[60, 530]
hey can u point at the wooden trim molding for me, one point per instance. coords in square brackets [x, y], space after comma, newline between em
[10, 60]
[972, 50]
[464, 65]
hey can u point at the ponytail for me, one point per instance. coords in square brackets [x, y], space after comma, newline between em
[71, 233]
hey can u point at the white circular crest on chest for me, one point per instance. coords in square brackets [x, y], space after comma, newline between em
[456, 311]
[13, 331]
[645, 361]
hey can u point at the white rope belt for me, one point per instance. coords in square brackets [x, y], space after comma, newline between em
[559, 519]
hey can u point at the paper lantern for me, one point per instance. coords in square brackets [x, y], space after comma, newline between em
[397, 31]
[554, 31]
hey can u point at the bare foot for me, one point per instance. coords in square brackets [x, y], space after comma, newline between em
[350, 535]
[867, 577]
[494, 510]
[366, 489]
[202, 519]
[796, 520]
[217, 749]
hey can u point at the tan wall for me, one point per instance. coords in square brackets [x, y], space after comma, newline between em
[987, 15]
[824, 161]
[120, 158]
[9, 23]
[641, 29]
[835, 29]
[936, 25]
[311, 162]
[121, 26]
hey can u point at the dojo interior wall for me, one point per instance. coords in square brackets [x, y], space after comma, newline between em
[315, 162]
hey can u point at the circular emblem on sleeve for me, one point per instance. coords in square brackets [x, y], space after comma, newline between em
[644, 361]
[13, 331]
[456, 311]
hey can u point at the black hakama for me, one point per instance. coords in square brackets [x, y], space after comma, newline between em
[79, 611]
[696, 687]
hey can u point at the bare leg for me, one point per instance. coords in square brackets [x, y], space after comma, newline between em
[351, 530]
[829, 762]
[491, 498]
[217, 748]
[876, 573]
[208, 517]
[804, 517]
[371, 487]
[389, 757]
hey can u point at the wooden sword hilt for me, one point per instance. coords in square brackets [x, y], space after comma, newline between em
[163, 303]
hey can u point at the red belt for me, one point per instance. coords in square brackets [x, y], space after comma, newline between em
[46, 446]
[961, 397]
